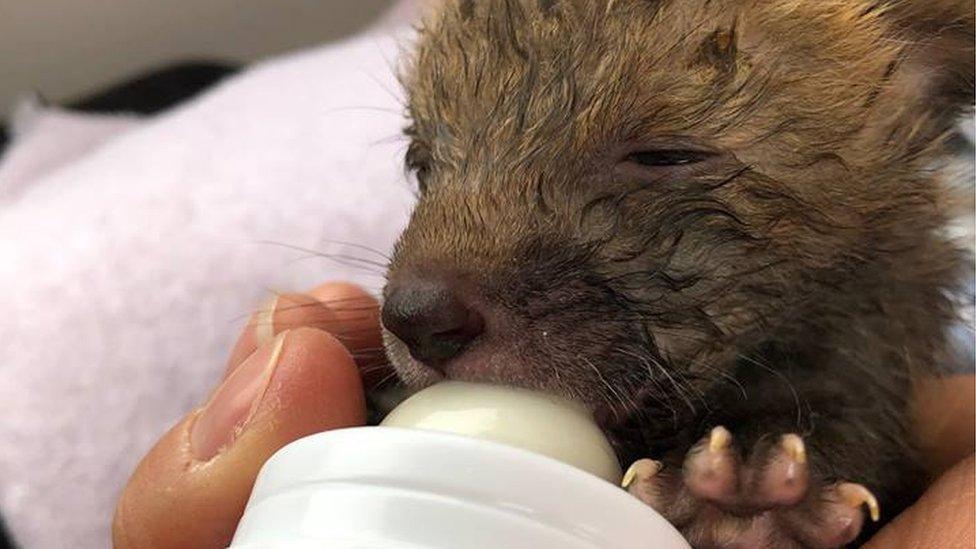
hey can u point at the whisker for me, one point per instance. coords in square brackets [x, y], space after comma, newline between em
[677, 386]
[780, 375]
[373, 367]
[724, 375]
[603, 380]
[386, 379]
[653, 378]
[357, 246]
[334, 257]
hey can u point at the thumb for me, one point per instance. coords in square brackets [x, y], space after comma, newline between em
[190, 490]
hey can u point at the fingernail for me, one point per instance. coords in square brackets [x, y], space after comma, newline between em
[262, 326]
[231, 405]
[264, 330]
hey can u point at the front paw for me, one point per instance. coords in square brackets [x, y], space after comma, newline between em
[765, 498]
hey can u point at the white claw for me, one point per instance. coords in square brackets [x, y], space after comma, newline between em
[719, 439]
[641, 469]
[795, 448]
[856, 495]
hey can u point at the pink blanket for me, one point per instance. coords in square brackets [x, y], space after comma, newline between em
[131, 252]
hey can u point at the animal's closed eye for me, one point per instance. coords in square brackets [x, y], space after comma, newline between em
[418, 162]
[667, 157]
[421, 173]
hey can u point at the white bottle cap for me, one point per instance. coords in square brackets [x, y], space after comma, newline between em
[396, 488]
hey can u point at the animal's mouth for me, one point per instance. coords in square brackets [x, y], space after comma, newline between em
[626, 429]
[633, 422]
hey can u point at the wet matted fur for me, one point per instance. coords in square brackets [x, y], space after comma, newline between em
[698, 212]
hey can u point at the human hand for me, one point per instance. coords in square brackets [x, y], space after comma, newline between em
[943, 517]
[293, 372]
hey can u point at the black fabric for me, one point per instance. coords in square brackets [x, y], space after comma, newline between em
[5, 540]
[157, 90]
[150, 92]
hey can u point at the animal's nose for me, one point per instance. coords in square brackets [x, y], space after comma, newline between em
[431, 318]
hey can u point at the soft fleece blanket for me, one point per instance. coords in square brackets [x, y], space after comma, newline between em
[131, 253]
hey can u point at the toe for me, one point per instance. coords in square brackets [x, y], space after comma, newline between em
[780, 474]
[836, 518]
[710, 468]
[641, 481]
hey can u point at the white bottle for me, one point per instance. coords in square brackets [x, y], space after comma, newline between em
[535, 483]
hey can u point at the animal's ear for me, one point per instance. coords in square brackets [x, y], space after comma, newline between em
[937, 63]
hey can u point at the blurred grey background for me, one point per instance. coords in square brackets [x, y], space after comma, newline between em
[62, 49]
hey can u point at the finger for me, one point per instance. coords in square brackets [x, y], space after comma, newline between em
[355, 312]
[356, 321]
[281, 312]
[342, 309]
[942, 518]
[190, 490]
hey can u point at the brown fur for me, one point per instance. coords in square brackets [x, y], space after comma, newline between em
[794, 280]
